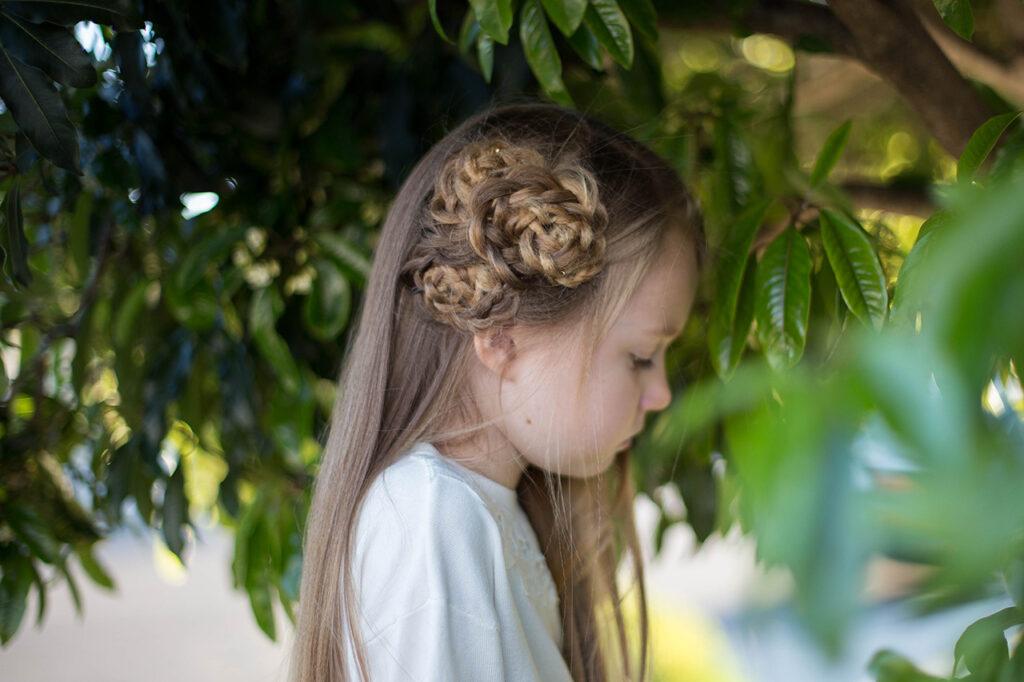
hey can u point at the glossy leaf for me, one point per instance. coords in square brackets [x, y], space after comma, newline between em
[641, 13]
[51, 48]
[494, 17]
[981, 143]
[121, 14]
[857, 268]
[783, 301]
[723, 335]
[958, 16]
[39, 111]
[830, 153]
[436, 20]
[566, 14]
[540, 51]
[17, 244]
[585, 44]
[606, 21]
[485, 54]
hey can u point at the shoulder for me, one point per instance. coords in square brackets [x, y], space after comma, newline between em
[425, 533]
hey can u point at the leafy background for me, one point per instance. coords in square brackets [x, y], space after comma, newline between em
[164, 366]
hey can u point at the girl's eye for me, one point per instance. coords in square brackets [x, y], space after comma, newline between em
[642, 363]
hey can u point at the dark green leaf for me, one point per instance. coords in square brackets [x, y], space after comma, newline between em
[25, 152]
[784, 299]
[857, 268]
[744, 311]
[585, 44]
[494, 17]
[436, 20]
[981, 143]
[262, 604]
[209, 252]
[567, 14]
[957, 15]
[53, 49]
[127, 314]
[830, 153]
[34, 532]
[76, 595]
[342, 251]
[14, 586]
[540, 51]
[93, 568]
[607, 22]
[485, 53]
[79, 233]
[175, 512]
[467, 37]
[723, 336]
[327, 306]
[37, 108]
[121, 14]
[16, 242]
[641, 13]
[263, 311]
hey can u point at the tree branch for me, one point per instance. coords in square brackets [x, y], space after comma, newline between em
[892, 41]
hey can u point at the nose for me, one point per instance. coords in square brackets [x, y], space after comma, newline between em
[657, 394]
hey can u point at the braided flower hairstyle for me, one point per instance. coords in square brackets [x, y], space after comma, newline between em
[529, 215]
[502, 221]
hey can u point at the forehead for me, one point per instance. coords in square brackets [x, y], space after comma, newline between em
[661, 303]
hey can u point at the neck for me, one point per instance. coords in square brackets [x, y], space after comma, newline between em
[488, 453]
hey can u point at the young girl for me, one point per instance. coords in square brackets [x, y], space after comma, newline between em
[529, 276]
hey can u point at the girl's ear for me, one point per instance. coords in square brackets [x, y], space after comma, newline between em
[496, 349]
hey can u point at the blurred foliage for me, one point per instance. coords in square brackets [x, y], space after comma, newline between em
[849, 385]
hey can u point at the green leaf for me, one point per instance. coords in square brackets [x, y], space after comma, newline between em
[467, 37]
[889, 666]
[121, 14]
[15, 582]
[957, 15]
[485, 53]
[175, 512]
[567, 14]
[16, 241]
[783, 301]
[830, 153]
[725, 340]
[906, 296]
[34, 532]
[495, 17]
[585, 44]
[124, 329]
[39, 111]
[93, 568]
[73, 591]
[641, 13]
[262, 604]
[436, 20]
[935, 221]
[982, 648]
[540, 51]
[53, 49]
[857, 268]
[263, 311]
[342, 251]
[327, 306]
[607, 22]
[981, 143]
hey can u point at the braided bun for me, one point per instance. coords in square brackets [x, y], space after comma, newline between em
[500, 221]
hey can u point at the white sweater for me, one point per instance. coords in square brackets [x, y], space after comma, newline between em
[451, 580]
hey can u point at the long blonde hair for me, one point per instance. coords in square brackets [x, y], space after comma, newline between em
[445, 267]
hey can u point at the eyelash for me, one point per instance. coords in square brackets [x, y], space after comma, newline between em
[642, 363]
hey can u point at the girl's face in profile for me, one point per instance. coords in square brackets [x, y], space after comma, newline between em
[572, 419]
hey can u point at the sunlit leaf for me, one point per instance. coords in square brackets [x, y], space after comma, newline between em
[830, 153]
[857, 268]
[606, 21]
[784, 299]
[540, 51]
[981, 143]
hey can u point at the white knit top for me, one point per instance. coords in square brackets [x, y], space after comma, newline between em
[451, 580]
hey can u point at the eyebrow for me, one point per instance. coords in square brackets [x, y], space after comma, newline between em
[667, 331]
